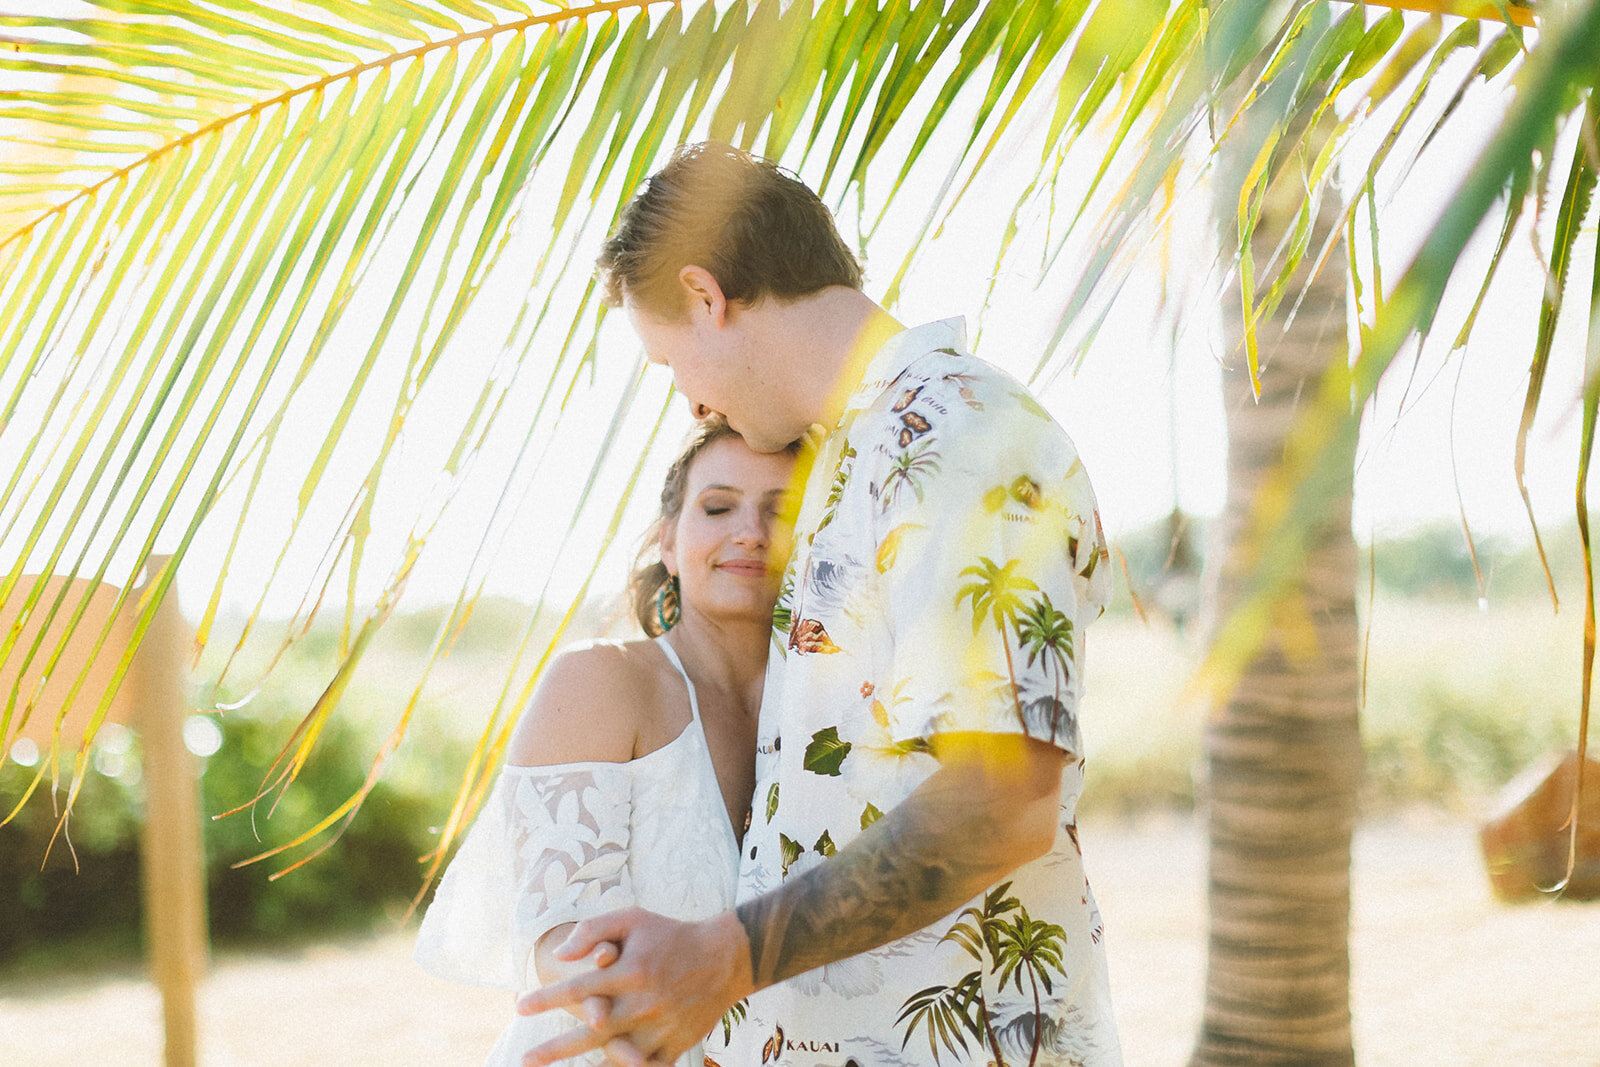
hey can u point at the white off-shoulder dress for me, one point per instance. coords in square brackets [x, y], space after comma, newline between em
[561, 843]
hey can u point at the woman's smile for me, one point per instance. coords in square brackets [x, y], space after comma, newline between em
[755, 568]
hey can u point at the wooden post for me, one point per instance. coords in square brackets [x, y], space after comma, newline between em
[151, 700]
[174, 869]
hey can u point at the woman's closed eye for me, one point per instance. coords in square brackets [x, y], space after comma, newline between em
[783, 504]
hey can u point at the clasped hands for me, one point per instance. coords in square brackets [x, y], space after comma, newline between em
[663, 990]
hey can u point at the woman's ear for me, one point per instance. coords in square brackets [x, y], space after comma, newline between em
[668, 543]
[703, 295]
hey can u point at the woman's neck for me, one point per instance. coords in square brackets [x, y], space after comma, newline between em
[728, 656]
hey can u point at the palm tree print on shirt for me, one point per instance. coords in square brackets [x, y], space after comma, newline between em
[782, 611]
[1038, 628]
[1046, 635]
[994, 594]
[1006, 942]
[910, 470]
[841, 479]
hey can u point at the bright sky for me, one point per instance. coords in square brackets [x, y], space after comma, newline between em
[1144, 409]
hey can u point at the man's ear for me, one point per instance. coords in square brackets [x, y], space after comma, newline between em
[703, 294]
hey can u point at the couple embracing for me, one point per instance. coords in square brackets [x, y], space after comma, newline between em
[825, 814]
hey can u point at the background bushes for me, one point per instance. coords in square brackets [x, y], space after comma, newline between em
[368, 878]
[1458, 698]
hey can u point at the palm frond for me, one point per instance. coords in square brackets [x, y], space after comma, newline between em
[244, 247]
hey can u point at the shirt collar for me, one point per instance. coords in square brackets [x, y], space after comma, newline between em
[898, 353]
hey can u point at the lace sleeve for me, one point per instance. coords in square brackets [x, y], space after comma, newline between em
[549, 847]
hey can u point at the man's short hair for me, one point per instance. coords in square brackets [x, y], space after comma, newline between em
[758, 230]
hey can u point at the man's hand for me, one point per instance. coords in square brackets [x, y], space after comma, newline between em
[666, 991]
[991, 807]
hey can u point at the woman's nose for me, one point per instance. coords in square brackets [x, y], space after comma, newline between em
[698, 410]
[755, 530]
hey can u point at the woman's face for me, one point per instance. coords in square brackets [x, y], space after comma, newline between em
[729, 543]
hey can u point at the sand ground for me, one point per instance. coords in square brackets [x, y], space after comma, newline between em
[1442, 974]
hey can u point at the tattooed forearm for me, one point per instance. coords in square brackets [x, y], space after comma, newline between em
[954, 836]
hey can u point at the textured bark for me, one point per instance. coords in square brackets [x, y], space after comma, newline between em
[1283, 750]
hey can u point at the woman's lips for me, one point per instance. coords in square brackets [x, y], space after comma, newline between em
[753, 567]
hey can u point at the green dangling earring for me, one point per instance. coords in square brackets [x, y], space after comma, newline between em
[668, 609]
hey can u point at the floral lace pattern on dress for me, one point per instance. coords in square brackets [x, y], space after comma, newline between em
[566, 842]
[549, 847]
[569, 851]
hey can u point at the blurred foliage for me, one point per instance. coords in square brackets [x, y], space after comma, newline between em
[53, 903]
[1437, 562]
[1454, 747]
[1159, 568]
[375, 866]
[1459, 695]
[1163, 561]
[56, 916]
[1447, 748]
[368, 879]
[1450, 717]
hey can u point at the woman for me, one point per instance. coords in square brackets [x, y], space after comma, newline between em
[628, 777]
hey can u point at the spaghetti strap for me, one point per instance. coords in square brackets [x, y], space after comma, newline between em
[699, 726]
[672, 658]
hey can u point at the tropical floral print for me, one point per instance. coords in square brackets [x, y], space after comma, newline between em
[948, 557]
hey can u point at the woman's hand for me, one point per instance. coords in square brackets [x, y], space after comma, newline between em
[552, 969]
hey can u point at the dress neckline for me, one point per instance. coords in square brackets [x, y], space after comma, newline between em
[697, 723]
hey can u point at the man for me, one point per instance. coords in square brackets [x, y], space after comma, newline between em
[911, 888]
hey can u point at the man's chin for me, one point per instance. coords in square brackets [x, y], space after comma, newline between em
[766, 448]
[766, 442]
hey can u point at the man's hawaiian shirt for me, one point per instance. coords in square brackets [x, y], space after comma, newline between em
[947, 558]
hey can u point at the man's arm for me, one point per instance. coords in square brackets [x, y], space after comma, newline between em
[991, 807]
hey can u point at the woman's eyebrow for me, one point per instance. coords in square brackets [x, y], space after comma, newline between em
[722, 489]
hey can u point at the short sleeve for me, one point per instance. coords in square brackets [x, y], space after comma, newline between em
[991, 570]
[549, 847]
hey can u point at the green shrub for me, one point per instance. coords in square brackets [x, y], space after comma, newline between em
[85, 884]
[365, 879]
[372, 866]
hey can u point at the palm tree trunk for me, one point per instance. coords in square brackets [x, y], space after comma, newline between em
[1011, 673]
[1283, 752]
[988, 1029]
[1038, 1017]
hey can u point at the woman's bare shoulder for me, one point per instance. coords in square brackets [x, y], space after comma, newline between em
[588, 706]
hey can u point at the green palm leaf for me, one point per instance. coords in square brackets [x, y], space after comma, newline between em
[214, 213]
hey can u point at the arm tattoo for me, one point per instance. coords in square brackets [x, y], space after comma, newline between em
[922, 860]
